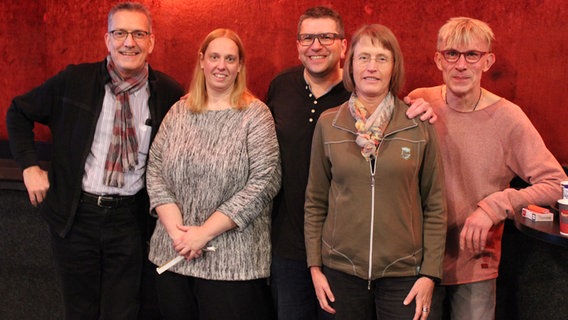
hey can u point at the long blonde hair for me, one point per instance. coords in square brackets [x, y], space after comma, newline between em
[240, 95]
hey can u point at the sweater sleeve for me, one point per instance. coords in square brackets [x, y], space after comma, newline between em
[528, 157]
[158, 189]
[264, 168]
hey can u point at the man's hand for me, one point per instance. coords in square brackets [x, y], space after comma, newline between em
[420, 107]
[37, 184]
[475, 230]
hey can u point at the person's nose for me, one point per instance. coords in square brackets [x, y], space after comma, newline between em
[129, 40]
[316, 45]
[461, 63]
[372, 64]
[222, 64]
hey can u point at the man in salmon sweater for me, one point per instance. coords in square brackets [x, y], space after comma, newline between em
[485, 141]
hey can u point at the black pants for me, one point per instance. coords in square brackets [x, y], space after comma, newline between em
[293, 291]
[353, 299]
[182, 297]
[100, 263]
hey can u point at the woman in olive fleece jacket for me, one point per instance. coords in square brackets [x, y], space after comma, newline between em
[375, 212]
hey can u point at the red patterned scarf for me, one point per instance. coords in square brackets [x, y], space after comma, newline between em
[122, 153]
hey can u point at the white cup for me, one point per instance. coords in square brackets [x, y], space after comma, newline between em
[564, 185]
[563, 216]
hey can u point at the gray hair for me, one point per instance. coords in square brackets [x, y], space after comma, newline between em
[130, 6]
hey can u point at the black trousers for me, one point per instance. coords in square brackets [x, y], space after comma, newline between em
[355, 301]
[100, 263]
[189, 298]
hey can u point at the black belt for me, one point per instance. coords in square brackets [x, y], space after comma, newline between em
[107, 201]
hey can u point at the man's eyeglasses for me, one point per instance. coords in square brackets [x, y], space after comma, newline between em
[325, 39]
[471, 56]
[121, 35]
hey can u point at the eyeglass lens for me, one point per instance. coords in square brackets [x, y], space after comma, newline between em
[308, 39]
[471, 56]
[123, 34]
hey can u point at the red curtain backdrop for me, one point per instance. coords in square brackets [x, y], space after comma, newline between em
[39, 38]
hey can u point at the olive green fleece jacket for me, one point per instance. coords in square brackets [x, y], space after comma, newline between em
[404, 235]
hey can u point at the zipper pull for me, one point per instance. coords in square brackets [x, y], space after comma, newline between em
[372, 170]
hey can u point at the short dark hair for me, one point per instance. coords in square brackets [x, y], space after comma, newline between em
[130, 6]
[321, 12]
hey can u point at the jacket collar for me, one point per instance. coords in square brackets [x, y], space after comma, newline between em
[344, 121]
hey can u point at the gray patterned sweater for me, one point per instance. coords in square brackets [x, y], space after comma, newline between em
[225, 160]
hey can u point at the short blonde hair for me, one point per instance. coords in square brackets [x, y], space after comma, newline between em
[462, 31]
[384, 36]
[240, 96]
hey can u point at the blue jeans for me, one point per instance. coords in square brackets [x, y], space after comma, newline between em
[293, 292]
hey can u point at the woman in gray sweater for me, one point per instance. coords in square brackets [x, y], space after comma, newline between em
[213, 170]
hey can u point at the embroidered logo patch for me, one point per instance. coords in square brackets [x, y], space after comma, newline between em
[405, 153]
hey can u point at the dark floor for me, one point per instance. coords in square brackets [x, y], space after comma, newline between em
[533, 282]
[29, 288]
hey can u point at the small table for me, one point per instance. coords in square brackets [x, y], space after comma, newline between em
[547, 231]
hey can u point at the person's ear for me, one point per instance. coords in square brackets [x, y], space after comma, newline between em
[343, 48]
[438, 60]
[489, 61]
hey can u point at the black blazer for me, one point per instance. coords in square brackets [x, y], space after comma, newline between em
[69, 104]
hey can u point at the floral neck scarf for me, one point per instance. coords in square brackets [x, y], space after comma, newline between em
[370, 129]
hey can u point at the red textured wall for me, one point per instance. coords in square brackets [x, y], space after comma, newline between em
[39, 38]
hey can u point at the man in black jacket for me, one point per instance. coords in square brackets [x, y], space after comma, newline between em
[102, 118]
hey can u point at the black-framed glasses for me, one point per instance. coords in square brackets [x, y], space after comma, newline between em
[121, 35]
[325, 39]
[471, 56]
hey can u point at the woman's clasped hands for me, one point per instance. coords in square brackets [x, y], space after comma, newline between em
[190, 241]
